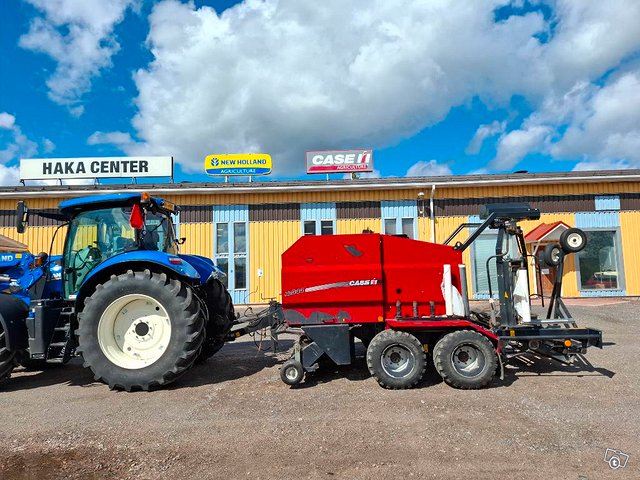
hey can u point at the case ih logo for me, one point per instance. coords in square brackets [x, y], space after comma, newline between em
[340, 161]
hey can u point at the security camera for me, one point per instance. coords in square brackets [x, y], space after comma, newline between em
[420, 195]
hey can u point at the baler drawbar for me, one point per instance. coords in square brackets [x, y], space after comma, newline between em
[407, 301]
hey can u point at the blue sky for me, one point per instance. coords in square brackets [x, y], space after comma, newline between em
[433, 87]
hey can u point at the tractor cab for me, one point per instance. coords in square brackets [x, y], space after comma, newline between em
[104, 226]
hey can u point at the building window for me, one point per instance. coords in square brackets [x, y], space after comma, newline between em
[390, 226]
[395, 226]
[407, 227]
[309, 227]
[599, 263]
[319, 227]
[326, 227]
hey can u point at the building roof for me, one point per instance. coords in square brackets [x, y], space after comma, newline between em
[544, 231]
[386, 183]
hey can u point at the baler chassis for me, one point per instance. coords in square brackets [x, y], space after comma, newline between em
[466, 347]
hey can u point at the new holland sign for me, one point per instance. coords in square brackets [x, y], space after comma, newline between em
[340, 161]
[98, 167]
[238, 164]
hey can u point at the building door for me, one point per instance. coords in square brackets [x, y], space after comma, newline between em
[230, 249]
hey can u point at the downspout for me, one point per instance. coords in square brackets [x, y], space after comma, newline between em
[432, 214]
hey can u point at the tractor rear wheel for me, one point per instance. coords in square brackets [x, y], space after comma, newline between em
[221, 317]
[465, 359]
[7, 357]
[140, 330]
[396, 359]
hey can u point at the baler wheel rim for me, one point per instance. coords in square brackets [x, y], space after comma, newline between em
[385, 342]
[292, 372]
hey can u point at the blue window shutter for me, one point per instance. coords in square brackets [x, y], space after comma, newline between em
[230, 213]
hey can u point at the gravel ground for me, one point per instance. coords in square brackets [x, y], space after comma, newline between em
[232, 418]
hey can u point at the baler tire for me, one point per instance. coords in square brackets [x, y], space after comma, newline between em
[409, 354]
[552, 254]
[7, 357]
[573, 240]
[451, 370]
[176, 330]
[292, 372]
[221, 318]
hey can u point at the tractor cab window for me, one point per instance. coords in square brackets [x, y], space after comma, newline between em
[97, 235]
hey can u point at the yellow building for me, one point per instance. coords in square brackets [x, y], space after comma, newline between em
[245, 227]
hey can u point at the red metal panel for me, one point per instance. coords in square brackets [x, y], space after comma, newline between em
[359, 278]
[336, 274]
[413, 272]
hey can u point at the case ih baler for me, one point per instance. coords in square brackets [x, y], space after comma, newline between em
[406, 299]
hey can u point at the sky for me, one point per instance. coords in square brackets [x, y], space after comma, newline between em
[434, 87]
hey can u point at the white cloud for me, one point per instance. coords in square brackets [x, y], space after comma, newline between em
[48, 146]
[515, 145]
[285, 76]
[484, 132]
[428, 169]
[7, 121]
[78, 36]
[122, 140]
[13, 145]
[602, 165]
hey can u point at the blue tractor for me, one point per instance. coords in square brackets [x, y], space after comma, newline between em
[121, 295]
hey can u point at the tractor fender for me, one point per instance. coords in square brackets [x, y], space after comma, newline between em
[203, 265]
[165, 260]
[138, 260]
[13, 312]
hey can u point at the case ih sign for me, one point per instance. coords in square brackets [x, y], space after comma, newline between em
[339, 161]
[97, 167]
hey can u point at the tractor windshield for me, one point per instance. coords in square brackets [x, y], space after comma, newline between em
[96, 235]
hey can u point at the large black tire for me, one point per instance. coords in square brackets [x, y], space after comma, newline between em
[7, 357]
[396, 359]
[176, 329]
[221, 318]
[465, 359]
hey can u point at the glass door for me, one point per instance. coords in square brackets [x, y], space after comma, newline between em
[231, 256]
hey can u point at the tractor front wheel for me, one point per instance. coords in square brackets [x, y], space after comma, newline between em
[396, 359]
[465, 359]
[7, 357]
[140, 330]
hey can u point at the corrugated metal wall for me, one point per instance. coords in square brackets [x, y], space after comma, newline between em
[267, 241]
[629, 225]
[199, 239]
[357, 225]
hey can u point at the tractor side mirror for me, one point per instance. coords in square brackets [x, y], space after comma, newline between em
[22, 216]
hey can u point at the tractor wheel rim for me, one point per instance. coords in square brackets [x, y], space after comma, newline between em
[134, 331]
[397, 361]
[468, 360]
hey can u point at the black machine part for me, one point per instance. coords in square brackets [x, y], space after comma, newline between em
[13, 313]
[41, 325]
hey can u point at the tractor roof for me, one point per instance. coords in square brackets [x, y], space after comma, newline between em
[95, 202]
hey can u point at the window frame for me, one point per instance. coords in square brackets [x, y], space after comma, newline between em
[619, 260]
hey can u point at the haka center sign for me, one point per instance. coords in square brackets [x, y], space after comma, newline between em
[97, 167]
[339, 161]
[238, 164]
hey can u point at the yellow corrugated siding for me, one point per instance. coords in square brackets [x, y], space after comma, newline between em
[267, 241]
[357, 225]
[445, 226]
[199, 239]
[38, 239]
[535, 190]
[424, 229]
[629, 224]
